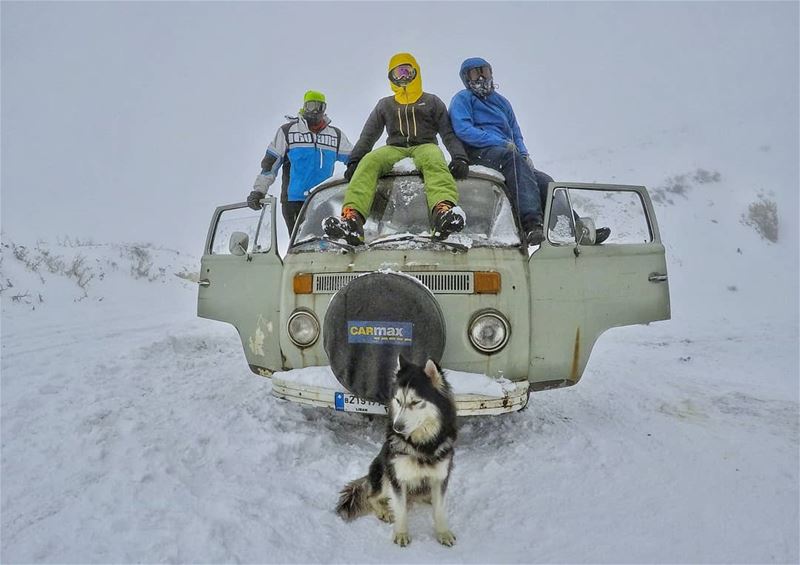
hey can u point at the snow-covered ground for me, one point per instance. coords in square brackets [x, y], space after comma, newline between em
[133, 431]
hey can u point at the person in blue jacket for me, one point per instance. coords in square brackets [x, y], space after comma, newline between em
[485, 122]
[307, 147]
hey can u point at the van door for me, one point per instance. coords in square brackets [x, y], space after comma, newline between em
[240, 280]
[579, 288]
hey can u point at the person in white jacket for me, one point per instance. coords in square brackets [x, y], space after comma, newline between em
[307, 147]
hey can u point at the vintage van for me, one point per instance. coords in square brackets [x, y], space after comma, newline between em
[481, 303]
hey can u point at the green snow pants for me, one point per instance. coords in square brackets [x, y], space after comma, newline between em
[428, 158]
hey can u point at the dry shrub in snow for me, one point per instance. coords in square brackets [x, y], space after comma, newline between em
[677, 184]
[142, 263]
[681, 184]
[80, 271]
[702, 176]
[763, 217]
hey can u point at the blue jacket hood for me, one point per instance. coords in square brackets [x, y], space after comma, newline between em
[470, 63]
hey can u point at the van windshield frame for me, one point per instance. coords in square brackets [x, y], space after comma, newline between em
[400, 207]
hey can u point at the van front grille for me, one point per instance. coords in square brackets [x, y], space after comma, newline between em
[332, 282]
[453, 282]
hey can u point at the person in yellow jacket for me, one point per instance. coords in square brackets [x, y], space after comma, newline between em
[412, 119]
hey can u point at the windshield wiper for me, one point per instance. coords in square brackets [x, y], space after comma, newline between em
[336, 242]
[450, 244]
[418, 238]
[399, 237]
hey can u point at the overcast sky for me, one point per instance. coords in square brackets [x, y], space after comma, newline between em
[132, 121]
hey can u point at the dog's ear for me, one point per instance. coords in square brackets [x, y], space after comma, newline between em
[397, 367]
[402, 362]
[434, 373]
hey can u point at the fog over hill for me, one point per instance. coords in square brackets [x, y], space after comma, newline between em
[132, 121]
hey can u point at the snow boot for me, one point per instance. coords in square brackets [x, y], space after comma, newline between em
[350, 227]
[601, 234]
[447, 219]
[535, 235]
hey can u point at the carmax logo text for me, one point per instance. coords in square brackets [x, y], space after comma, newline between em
[379, 333]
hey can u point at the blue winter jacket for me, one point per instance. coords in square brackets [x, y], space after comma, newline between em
[311, 157]
[484, 122]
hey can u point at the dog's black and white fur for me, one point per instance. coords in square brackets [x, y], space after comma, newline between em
[417, 457]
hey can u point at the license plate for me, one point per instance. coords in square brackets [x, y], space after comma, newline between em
[346, 402]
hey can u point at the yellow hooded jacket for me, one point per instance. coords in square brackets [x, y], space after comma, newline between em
[411, 92]
[411, 117]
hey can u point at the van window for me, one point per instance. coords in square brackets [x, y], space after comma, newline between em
[621, 210]
[230, 221]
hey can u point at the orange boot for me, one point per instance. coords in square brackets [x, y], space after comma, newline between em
[350, 227]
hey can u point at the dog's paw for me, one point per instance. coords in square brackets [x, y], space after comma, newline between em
[446, 537]
[402, 538]
[385, 515]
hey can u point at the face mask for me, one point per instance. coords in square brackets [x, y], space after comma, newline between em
[314, 112]
[313, 119]
[482, 86]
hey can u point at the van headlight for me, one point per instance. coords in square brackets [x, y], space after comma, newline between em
[303, 328]
[489, 331]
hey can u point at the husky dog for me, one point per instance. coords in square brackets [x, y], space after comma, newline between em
[416, 458]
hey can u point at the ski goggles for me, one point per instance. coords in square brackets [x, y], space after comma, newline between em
[475, 73]
[314, 106]
[402, 74]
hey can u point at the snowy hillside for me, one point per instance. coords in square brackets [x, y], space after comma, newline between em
[68, 270]
[133, 431]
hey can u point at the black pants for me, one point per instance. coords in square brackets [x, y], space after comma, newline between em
[290, 212]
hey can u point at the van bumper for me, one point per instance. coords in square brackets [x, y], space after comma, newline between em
[500, 397]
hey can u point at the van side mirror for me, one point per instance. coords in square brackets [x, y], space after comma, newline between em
[585, 231]
[238, 243]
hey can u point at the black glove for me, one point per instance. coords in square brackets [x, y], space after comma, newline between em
[254, 199]
[351, 168]
[459, 168]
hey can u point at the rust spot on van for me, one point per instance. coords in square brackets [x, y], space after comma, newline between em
[261, 371]
[575, 354]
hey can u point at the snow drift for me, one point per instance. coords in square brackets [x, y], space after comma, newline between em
[133, 431]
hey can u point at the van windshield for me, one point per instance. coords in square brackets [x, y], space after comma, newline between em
[400, 209]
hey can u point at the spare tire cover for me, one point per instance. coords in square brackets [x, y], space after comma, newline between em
[371, 321]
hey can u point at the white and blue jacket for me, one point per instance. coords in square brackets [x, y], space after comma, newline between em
[307, 157]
